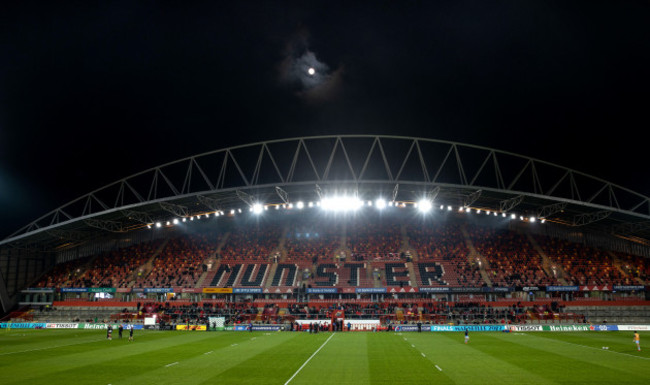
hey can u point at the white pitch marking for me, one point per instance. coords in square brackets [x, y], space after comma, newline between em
[50, 347]
[308, 359]
[208, 352]
[612, 351]
[172, 364]
[438, 367]
[422, 354]
[412, 346]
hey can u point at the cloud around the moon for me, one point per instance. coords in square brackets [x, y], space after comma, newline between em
[296, 74]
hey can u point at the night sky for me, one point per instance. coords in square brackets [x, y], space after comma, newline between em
[92, 92]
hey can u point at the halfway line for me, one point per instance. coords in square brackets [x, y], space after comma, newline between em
[308, 359]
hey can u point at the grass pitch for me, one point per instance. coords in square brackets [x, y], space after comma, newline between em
[180, 357]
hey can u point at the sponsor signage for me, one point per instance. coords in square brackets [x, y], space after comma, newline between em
[158, 290]
[408, 328]
[38, 290]
[259, 328]
[101, 290]
[566, 328]
[405, 289]
[595, 288]
[532, 288]
[62, 326]
[187, 290]
[247, 290]
[370, 290]
[471, 328]
[634, 327]
[604, 328]
[217, 290]
[74, 290]
[434, 290]
[497, 289]
[466, 289]
[525, 328]
[123, 290]
[22, 325]
[629, 288]
[192, 327]
[562, 288]
[323, 290]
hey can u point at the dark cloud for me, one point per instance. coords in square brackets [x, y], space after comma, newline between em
[308, 77]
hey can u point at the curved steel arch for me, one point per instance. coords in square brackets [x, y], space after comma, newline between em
[343, 159]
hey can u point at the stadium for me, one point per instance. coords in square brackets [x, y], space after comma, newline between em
[362, 251]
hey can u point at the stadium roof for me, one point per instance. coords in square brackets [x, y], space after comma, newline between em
[400, 169]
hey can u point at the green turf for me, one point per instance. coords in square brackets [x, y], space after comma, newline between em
[86, 357]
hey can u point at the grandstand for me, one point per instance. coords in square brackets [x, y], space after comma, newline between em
[373, 227]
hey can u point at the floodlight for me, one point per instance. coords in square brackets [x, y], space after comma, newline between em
[341, 203]
[425, 205]
[300, 205]
[532, 219]
[257, 208]
[175, 221]
[380, 203]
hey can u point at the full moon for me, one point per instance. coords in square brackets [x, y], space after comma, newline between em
[311, 71]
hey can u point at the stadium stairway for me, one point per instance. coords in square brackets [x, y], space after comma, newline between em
[141, 272]
[474, 255]
[271, 274]
[412, 277]
[547, 263]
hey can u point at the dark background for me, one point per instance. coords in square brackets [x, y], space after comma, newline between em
[91, 92]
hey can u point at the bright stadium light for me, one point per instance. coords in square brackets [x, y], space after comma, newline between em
[380, 204]
[341, 203]
[175, 221]
[425, 205]
[257, 208]
[158, 224]
[300, 205]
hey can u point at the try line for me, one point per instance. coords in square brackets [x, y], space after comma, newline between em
[308, 359]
